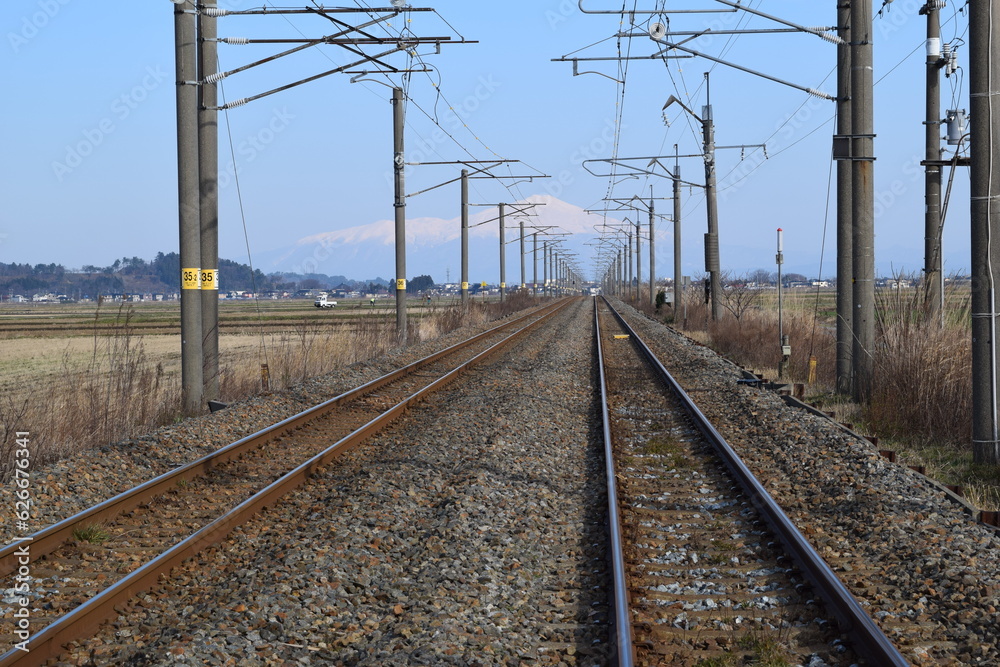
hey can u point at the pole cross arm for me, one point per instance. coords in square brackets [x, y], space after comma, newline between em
[342, 41]
[489, 165]
[619, 162]
[656, 11]
[653, 56]
[307, 44]
[245, 100]
[811, 91]
[465, 162]
[349, 37]
[712, 31]
[529, 178]
[835, 39]
[395, 11]
[512, 213]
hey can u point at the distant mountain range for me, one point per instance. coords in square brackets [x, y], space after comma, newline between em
[433, 245]
[339, 257]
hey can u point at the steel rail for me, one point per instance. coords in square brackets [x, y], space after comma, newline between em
[870, 642]
[624, 639]
[88, 617]
[49, 539]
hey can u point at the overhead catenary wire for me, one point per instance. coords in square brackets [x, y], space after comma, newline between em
[439, 95]
[246, 234]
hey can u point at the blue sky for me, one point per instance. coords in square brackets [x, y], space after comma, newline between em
[90, 157]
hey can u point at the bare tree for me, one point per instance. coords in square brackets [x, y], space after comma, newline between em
[738, 296]
[762, 277]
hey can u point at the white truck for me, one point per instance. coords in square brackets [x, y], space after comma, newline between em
[322, 301]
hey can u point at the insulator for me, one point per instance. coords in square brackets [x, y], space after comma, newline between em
[237, 103]
[238, 41]
[218, 76]
[215, 11]
[829, 36]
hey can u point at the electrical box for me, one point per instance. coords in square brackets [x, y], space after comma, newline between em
[786, 350]
[956, 126]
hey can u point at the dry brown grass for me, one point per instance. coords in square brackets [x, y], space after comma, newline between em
[923, 374]
[118, 390]
[753, 341]
[115, 393]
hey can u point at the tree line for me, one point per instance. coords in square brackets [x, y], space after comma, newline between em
[161, 275]
[125, 275]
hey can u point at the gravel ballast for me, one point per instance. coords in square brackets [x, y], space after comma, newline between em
[63, 488]
[468, 534]
[924, 569]
[474, 532]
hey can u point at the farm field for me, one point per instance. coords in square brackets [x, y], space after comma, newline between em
[79, 375]
[47, 343]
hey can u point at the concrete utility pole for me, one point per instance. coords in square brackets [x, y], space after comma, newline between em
[208, 168]
[638, 258]
[524, 282]
[399, 205]
[465, 237]
[555, 272]
[863, 204]
[652, 251]
[845, 214]
[188, 199]
[555, 269]
[503, 255]
[619, 273]
[678, 278]
[197, 141]
[984, 92]
[534, 264]
[712, 261]
[932, 173]
[545, 268]
[628, 255]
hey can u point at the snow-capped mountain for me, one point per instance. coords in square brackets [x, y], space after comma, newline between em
[433, 245]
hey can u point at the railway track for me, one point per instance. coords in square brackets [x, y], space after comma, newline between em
[99, 559]
[698, 575]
